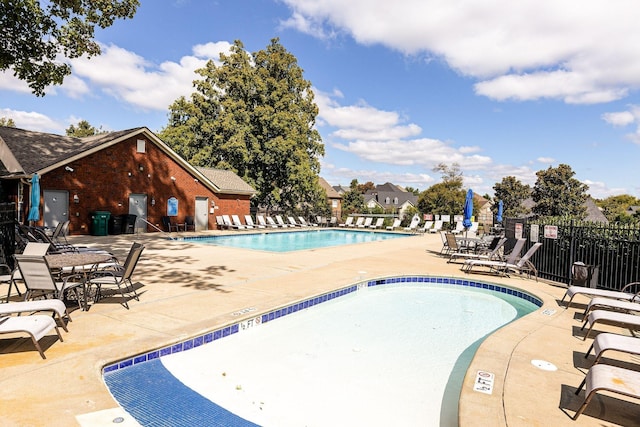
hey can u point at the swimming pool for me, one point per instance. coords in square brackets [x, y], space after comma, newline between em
[295, 240]
[325, 370]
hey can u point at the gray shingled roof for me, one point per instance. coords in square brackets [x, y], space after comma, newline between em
[35, 151]
[227, 181]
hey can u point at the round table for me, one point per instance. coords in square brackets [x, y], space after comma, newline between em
[76, 259]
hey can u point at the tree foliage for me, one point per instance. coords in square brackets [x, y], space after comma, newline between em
[557, 193]
[616, 208]
[512, 192]
[32, 38]
[446, 197]
[83, 129]
[353, 200]
[254, 114]
[7, 122]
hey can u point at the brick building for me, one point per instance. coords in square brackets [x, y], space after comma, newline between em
[125, 172]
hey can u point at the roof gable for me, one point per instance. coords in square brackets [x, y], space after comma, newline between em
[227, 181]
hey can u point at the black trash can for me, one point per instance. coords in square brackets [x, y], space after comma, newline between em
[99, 223]
[115, 224]
[129, 223]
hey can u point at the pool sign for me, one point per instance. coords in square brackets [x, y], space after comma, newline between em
[551, 231]
[484, 382]
[172, 207]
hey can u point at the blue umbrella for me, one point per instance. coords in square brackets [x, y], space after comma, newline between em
[468, 209]
[34, 210]
[499, 214]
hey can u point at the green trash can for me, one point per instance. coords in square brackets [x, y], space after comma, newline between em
[99, 223]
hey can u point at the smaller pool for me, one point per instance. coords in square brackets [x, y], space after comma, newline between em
[296, 240]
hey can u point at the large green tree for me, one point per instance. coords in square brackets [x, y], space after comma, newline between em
[353, 200]
[512, 192]
[8, 122]
[446, 197]
[616, 208]
[33, 38]
[557, 193]
[82, 129]
[254, 114]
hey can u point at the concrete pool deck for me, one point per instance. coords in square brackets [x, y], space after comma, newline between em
[188, 288]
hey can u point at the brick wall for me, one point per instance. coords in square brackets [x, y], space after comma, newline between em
[104, 180]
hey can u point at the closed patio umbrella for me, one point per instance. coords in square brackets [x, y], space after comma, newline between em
[468, 209]
[34, 210]
[499, 214]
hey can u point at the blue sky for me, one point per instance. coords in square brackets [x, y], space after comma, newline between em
[500, 87]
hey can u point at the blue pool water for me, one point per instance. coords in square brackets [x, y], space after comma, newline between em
[296, 240]
[363, 355]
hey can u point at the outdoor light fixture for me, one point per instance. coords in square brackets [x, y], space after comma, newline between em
[68, 168]
[173, 178]
[141, 168]
[76, 199]
[153, 201]
[128, 173]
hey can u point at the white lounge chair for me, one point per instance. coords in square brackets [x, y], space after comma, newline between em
[425, 227]
[249, 222]
[437, 226]
[610, 379]
[378, 224]
[413, 226]
[396, 224]
[271, 223]
[358, 223]
[55, 306]
[293, 223]
[237, 223]
[459, 228]
[304, 222]
[502, 267]
[367, 223]
[607, 341]
[263, 222]
[281, 223]
[347, 223]
[626, 320]
[603, 303]
[37, 326]
[622, 294]
[333, 221]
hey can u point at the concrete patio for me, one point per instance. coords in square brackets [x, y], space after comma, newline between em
[188, 288]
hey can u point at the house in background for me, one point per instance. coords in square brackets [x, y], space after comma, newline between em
[391, 198]
[484, 214]
[334, 198]
[124, 172]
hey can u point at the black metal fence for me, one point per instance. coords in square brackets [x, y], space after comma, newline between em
[614, 249]
[7, 232]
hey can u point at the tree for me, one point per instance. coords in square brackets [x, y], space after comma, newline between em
[363, 188]
[446, 197]
[557, 193]
[512, 192]
[32, 38]
[615, 208]
[254, 114]
[83, 129]
[7, 122]
[353, 200]
[414, 191]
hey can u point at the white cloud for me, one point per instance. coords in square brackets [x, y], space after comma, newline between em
[32, 121]
[546, 160]
[622, 118]
[578, 51]
[599, 190]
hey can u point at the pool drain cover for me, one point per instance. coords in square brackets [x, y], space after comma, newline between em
[544, 365]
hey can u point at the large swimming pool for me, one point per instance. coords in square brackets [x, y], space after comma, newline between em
[295, 240]
[363, 355]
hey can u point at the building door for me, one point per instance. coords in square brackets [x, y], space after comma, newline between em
[202, 214]
[138, 207]
[56, 207]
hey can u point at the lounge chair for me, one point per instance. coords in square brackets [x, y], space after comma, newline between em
[445, 243]
[358, 223]
[36, 326]
[610, 379]
[237, 223]
[263, 222]
[118, 277]
[607, 341]
[333, 221]
[437, 226]
[622, 294]
[425, 227]
[367, 223]
[459, 228]
[222, 225]
[249, 221]
[38, 280]
[396, 224]
[304, 222]
[293, 223]
[347, 223]
[378, 224]
[631, 321]
[492, 254]
[273, 224]
[413, 226]
[281, 223]
[55, 306]
[32, 248]
[229, 224]
[321, 221]
[602, 303]
[502, 267]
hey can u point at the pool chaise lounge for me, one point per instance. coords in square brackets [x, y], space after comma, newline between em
[609, 341]
[602, 303]
[36, 326]
[55, 306]
[622, 294]
[631, 321]
[610, 379]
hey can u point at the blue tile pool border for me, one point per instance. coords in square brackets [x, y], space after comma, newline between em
[234, 328]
